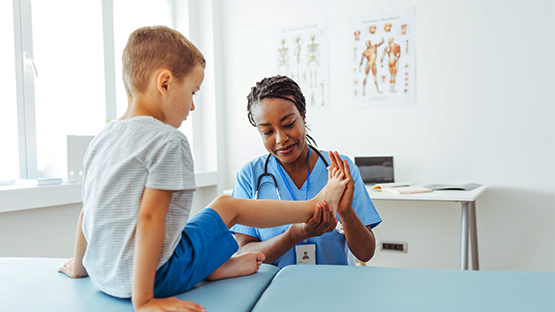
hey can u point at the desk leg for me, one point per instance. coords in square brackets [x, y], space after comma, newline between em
[464, 235]
[474, 236]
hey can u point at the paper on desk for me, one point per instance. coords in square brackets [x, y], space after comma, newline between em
[406, 190]
[391, 185]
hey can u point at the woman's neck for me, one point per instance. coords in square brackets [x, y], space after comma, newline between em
[299, 163]
[297, 170]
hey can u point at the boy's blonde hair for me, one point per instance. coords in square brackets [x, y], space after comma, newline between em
[155, 47]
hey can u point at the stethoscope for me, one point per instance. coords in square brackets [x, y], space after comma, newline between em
[339, 226]
[267, 174]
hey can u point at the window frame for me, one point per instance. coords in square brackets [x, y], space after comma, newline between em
[25, 72]
[204, 122]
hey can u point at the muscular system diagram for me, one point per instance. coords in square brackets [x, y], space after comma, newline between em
[370, 56]
[383, 71]
[393, 51]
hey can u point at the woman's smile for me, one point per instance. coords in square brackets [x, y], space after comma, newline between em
[286, 150]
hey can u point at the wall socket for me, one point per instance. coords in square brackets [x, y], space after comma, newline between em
[394, 246]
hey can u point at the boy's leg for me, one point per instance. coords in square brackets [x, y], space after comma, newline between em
[205, 245]
[270, 213]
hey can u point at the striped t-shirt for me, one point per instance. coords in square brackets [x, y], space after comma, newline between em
[122, 160]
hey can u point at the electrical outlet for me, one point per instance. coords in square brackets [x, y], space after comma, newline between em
[394, 246]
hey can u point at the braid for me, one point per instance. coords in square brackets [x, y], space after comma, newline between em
[281, 87]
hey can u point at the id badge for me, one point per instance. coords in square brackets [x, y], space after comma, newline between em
[305, 254]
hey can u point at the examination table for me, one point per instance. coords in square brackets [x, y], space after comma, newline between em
[32, 284]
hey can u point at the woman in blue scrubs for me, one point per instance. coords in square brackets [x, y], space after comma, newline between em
[277, 108]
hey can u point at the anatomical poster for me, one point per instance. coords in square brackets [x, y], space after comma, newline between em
[383, 59]
[301, 53]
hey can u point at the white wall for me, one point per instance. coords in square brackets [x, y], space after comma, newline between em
[484, 113]
[50, 231]
[42, 232]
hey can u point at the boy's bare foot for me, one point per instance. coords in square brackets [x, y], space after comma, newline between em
[331, 193]
[240, 265]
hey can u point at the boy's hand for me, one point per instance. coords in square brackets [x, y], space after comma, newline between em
[170, 304]
[70, 269]
[346, 201]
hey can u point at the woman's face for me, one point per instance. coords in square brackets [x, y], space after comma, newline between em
[281, 127]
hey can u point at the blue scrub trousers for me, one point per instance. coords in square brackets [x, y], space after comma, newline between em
[206, 243]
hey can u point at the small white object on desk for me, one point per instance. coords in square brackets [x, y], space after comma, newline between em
[381, 186]
[406, 190]
[399, 188]
[452, 187]
[38, 181]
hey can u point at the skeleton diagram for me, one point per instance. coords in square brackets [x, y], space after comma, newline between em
[313, 62]
[283, 58]
[298, 55]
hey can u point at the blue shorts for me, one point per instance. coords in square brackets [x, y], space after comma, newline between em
[206, 243]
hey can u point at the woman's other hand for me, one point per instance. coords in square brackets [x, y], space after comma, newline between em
[322, 221]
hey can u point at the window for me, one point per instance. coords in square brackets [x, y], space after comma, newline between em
[69, 83]
[63, 75]
[9, 157]
[147, 12]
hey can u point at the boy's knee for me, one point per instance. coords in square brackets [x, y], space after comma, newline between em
[221, 205]
[220, 202]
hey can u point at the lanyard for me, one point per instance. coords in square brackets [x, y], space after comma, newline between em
[287, 183]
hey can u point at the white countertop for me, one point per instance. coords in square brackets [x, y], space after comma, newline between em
[452, 196]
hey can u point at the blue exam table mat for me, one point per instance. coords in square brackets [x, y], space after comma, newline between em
[350, 288]
[32, 284]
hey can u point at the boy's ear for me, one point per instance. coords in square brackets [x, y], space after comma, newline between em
[163, 80]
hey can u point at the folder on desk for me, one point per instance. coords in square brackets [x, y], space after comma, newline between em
[406, 190]
[452, 187]
[382, 186]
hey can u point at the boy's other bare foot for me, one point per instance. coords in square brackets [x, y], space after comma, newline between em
[240, 265]
[331, 193]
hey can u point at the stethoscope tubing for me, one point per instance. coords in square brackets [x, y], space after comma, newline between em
[267, 174]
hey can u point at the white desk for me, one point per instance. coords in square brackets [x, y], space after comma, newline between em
[468, 219]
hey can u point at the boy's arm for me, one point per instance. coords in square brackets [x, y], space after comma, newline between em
[149, 238]
[74, 267]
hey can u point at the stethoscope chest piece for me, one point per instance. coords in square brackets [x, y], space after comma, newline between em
[339, 228]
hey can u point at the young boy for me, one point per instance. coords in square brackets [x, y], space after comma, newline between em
[133, 238]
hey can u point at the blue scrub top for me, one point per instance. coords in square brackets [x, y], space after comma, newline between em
[331, 248]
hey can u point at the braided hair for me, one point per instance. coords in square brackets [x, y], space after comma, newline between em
[281, 87]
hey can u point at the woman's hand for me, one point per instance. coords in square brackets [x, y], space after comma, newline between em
[170, 304]
[345, 204]
[322, 221]
[70, 269]
[360, 238]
